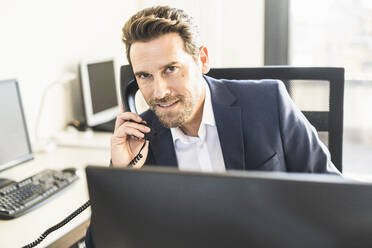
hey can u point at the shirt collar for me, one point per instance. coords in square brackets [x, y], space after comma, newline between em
[207, 119]
[208, 116]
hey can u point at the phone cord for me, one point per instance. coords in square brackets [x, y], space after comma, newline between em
[77, 211]
[59, 225]
[137, 157]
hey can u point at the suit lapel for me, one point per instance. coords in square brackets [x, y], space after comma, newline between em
[162, 145]
[229, 127]
[229, 124]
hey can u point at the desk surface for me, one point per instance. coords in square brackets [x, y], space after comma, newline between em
[25, 229]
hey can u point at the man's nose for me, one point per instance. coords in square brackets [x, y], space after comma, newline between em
[162, 88]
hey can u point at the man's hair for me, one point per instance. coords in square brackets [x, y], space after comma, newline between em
[153, 22]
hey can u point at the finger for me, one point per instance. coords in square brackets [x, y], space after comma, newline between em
[130, 124]
[125, 116]
[121, 106]
[124, 131]
[140, 127]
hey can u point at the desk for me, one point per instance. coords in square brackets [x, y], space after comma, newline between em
[25, 229]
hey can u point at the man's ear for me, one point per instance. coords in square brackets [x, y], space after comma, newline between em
[204, 59]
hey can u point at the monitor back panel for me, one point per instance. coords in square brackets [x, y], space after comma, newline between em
[152, 208]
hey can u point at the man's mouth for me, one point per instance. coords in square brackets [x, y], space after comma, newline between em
[167, 105]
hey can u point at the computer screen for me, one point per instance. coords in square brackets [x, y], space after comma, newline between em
[15, 146]
[99, 90]
[164, 207]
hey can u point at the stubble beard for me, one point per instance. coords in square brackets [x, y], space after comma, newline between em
[175, 118]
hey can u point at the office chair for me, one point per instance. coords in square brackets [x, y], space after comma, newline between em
[324, 83]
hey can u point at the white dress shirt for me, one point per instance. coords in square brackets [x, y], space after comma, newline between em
[202, 153]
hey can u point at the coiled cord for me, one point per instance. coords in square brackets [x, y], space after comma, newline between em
[59, 225]
[79, 210]
[137, 157]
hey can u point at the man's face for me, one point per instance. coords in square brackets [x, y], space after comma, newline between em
[169, 78]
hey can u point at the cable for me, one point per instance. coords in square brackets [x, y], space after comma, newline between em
[79, 210]
[138, 157]
[59, 225]
[40, 145]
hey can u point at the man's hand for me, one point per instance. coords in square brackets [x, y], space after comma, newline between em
[127, 140]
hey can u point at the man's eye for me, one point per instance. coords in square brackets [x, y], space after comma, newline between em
[171, 69]
[144, 76]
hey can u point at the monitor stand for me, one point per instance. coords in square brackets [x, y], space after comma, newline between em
[106, 127]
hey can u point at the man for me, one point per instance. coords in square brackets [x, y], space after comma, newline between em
[200, 123]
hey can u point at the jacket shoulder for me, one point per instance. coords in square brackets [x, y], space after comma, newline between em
[252, 84]
[253, 89]
[242, 84]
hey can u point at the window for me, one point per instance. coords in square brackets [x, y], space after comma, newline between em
[339, 33]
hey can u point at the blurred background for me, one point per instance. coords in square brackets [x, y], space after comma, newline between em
[40, 41]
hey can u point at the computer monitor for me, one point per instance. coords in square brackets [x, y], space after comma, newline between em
[158, 207]
[99, 90]
[15, 146]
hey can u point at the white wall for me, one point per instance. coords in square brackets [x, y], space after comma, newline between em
[233, 30]
[41, 39]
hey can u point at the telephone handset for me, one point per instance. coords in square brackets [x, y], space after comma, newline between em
[128, 99]
[129, 87]
[128, 96]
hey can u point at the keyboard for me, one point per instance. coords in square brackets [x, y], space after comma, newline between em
[19, 198]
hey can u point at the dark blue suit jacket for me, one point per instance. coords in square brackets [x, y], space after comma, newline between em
[259, 129]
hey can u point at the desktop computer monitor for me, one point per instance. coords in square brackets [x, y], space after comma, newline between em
[164, 207]
[15, 146]
[99, 90]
